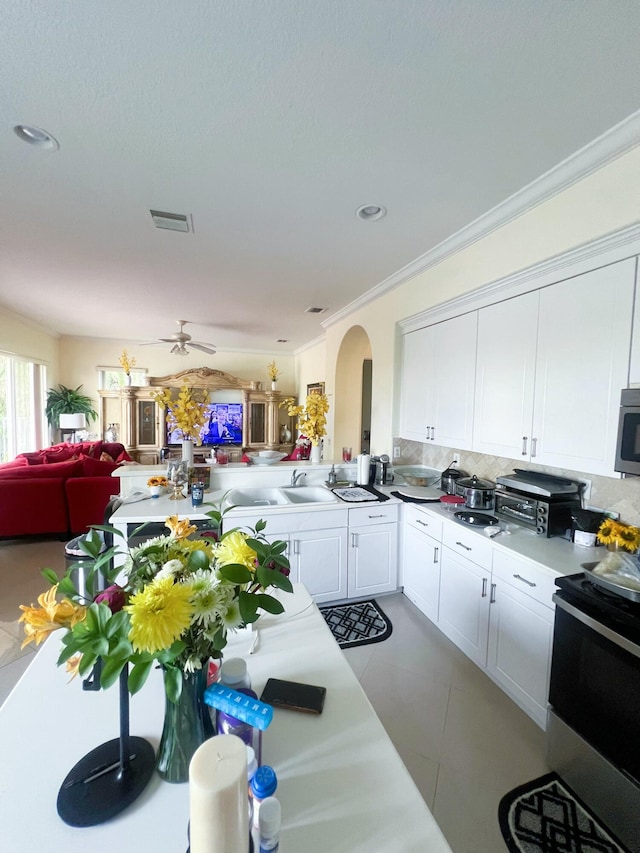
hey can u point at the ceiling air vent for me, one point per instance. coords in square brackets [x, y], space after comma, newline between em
[171, 221]
[315, 310]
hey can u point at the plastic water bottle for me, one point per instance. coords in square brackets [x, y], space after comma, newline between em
[269, 821]
[234, 674]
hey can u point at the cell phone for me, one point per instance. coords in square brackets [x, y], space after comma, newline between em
[294, 695]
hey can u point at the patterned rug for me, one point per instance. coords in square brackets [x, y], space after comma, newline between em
[545, 816]
[357, 624]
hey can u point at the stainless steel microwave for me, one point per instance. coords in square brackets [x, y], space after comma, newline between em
[628, 446]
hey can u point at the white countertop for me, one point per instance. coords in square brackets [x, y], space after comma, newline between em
[342, 785]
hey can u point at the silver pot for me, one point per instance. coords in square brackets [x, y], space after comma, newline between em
[477, 494]
[449, 480]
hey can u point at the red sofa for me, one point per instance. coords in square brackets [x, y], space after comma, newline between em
[60, 490]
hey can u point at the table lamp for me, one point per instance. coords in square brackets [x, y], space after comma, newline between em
[73, 422]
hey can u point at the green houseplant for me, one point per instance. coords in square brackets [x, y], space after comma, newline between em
[68, 401]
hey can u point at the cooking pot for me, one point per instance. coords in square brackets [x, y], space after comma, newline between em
[477, 494]
[449, 478]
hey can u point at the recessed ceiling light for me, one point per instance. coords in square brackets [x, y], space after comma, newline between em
[369, 212]
[36, 136]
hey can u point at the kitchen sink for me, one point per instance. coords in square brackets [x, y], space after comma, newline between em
[264, 497]
[309, 495]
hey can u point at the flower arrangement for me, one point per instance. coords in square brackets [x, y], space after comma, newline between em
[312, 417]
[272, 371]
[157, 481]
[625, 536]
[127, 362]
[178, 600]
[186, 413]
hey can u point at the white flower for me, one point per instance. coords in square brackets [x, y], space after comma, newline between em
[169, 569]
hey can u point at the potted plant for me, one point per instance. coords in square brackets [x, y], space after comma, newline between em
[187, 412]
[67, 401]
[312, 419]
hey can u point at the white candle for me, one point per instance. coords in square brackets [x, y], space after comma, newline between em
[218, 796]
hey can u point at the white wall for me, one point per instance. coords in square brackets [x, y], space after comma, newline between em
[21, 337]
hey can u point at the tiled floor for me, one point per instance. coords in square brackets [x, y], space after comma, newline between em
[464, 742]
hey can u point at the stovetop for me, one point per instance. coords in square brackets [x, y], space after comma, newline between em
[618, 613]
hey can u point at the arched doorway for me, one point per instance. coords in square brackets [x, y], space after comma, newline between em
[352, 417]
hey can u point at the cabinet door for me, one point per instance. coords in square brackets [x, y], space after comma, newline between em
[519, 655]
[451, 375]
[464, 605]
[505, 377]
[373, 559]
[321, 560]
[417, 353]
[421, 570]
[582, 363]
[294, 574]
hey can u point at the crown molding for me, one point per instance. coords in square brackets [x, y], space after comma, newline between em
[611, 145]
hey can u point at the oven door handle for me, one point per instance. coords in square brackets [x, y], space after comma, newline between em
[596, 626]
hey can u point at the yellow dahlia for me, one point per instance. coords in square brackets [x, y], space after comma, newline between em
[234, 549]
[41, 621]
[159, 614]
[180, 529]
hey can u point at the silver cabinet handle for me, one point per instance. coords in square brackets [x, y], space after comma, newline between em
[462, 545]
[296, 549]
[524, 445]
[423, 523]
[354, 540]
[379, 515]
[435, 554]
[484, 587]
[524, 580]
[433, 433]
[492, 598]
[426, 433]
[534, 444]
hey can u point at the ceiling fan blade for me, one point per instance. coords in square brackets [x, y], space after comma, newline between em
[150, 343]
[202, 347]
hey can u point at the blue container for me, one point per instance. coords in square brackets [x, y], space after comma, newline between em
[197, 494]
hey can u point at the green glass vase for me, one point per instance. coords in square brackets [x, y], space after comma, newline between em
[187, 724]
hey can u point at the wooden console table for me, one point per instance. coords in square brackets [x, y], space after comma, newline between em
[342, 784]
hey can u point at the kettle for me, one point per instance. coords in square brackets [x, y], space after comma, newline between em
[449, 480]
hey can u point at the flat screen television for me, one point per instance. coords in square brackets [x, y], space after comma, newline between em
[223, 425]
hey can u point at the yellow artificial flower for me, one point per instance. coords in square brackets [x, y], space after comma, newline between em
[272, 371]
[624, 535]
[234, 549]
[158, 481]
[73, 666]
[180, 529]
[159, 614]
[607, 532]
[312, 417]
[41, 621]
[127, 362]
[186, 413]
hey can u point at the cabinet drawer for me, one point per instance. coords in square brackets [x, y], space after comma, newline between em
[377, 514]
[474, 546]
[422, 520]
[530, 578]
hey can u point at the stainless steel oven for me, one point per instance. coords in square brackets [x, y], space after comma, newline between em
[594, 702]
[628, 444]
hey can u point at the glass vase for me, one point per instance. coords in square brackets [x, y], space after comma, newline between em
[187, 724]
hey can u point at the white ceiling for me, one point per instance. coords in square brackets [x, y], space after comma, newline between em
[270, 122]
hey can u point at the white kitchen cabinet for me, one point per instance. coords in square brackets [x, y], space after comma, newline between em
[438, 382]
[521, 632]
[373, 550]
[464, 604]
[320, 559]
[549, 370]
[421, 549]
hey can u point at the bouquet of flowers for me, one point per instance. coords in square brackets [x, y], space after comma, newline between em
[312, 417]
[158, 481]
[272, 371]
[624, 536]
[173, 605]
[127, 362]
[186, 413]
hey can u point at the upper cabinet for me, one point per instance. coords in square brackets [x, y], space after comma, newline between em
[543, 384]
[438, 382]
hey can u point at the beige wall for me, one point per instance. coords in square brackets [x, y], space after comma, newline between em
[21, 337]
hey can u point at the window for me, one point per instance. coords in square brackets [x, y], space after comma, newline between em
[113, 378]
[22, 401]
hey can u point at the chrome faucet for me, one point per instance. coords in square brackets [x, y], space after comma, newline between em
[295, 476]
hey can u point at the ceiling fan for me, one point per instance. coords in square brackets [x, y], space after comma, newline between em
[181, 340]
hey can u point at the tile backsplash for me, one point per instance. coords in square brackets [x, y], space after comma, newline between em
[616, 495]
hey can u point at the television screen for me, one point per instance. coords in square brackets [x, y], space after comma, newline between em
[223, 425]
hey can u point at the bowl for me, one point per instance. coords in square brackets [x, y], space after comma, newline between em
[417, 475]
[266, 457]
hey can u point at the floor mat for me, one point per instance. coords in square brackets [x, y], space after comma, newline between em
[357, 624]
[545, 816]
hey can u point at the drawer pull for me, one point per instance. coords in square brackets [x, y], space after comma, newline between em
[484, 587]
[354, 541]
[466, 547]
[492, 599]
[524, 580]
[423, 523]
[524, 445]
[379, 515]
[435, 554]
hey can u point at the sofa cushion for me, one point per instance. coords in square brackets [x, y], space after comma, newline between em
[97, 467]
[70, 468]
[115, 450]
[34, 457]
[18, 462]
[33, 506]
[87, 498]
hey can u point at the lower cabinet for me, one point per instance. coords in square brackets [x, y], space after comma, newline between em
[421, 550]
[464, 604]
[319, 561]
[373, 551]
